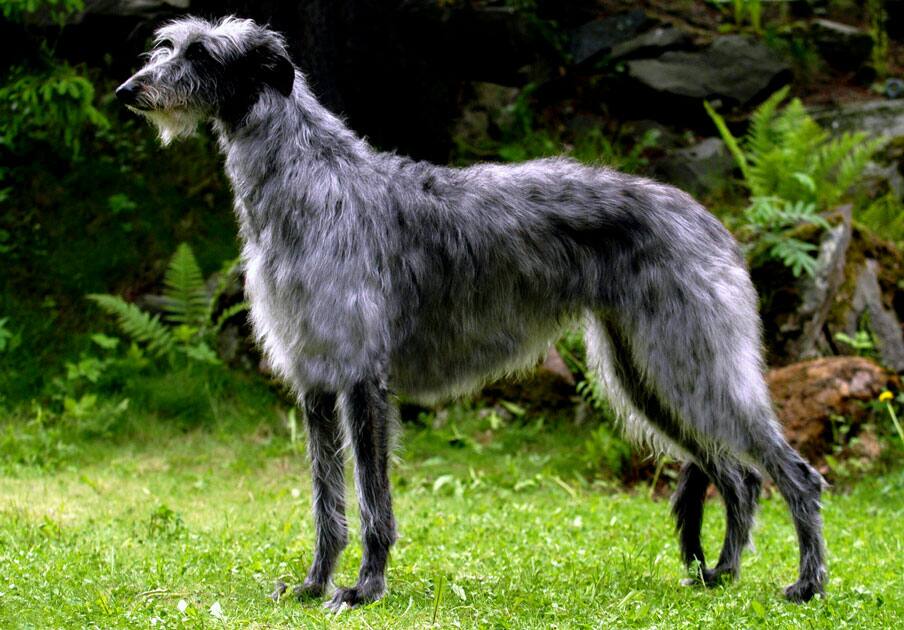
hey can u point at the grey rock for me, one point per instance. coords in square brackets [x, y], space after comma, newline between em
[652, 43]
[881, 117]
[700, 169]
[596, 39]
[818, 292]
[733, 69]
[842, 46]
[883, 323]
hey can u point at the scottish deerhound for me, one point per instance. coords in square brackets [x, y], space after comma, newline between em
[369, 273]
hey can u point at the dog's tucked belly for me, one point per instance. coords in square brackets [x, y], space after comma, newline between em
[437, 362]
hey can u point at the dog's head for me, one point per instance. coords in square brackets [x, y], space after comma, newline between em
[199, 70]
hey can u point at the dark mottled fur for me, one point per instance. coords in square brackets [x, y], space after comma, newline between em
[369, 273]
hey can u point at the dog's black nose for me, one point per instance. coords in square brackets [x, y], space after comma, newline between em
[128, 92]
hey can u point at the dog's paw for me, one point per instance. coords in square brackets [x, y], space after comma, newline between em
[709, 578]
[717, 577]
[354, 596]
[278, 590]
[309, 590]
[803, 591]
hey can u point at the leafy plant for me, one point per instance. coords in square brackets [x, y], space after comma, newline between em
[875, 10]
[56, 10]
[9, 340]
[51, 102]
[862, 342]
[190, 324]
[768, 220]
[55, 106]
[750, 10]
[794, 170]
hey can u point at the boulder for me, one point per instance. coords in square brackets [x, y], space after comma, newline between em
[700, 169]
[734, 70]
[808, 394]
[878, 118]
[651, 43]
[594, 40]
[842, 46]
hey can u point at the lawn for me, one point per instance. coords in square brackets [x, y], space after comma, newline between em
[499, 528]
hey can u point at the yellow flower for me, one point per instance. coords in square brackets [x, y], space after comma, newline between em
[885, 396]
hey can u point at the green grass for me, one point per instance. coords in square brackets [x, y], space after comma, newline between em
[499, 528]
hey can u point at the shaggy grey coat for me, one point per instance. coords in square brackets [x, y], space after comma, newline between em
[370, 273]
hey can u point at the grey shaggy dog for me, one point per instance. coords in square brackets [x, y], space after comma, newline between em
[370, 274]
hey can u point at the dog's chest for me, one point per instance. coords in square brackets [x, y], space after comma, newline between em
[316, 318]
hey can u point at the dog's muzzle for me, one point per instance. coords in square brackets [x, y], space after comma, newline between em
[128, 93]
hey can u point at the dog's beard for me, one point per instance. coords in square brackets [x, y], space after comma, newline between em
[172, 124]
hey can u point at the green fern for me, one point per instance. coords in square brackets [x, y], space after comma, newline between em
[185, 294]
[140, 326]
[793, 169]
[189, 327]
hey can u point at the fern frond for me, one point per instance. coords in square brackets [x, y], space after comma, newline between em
[202, 353]
[852, 166]
[229, 269]
[140, 326]
[186, 295]
[223, 317]
[827, 157]
[728, 138]
[761, 136]
[795, 254]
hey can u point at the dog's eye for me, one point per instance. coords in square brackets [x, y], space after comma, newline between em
[195, 51]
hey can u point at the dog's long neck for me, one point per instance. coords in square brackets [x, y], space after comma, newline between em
[289, 144]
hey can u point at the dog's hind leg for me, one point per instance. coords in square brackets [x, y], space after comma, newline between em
[666, 430]
[708, 395]
[740, 488]
[325, 452]
[368, 418]
[801, 487]
[687, 507]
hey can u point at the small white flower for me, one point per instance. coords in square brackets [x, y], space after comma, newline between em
[182, 606]
[216, 611]
[296, 493]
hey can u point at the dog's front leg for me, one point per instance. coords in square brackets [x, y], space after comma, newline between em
[328, 476]
[367, 409]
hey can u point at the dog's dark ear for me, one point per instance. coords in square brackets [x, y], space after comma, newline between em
[277, 71]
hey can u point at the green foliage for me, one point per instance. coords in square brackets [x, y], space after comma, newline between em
[885, 216]
[51, 103]
[54, 106]
[768, 220]
[142, 327]
[9, 340]
[876, 13]
[523, 137]
[748, 10]
[188, 328]
[741, 12]
[186, 299]
[794, 170]
[595, 147]
[57, 10]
